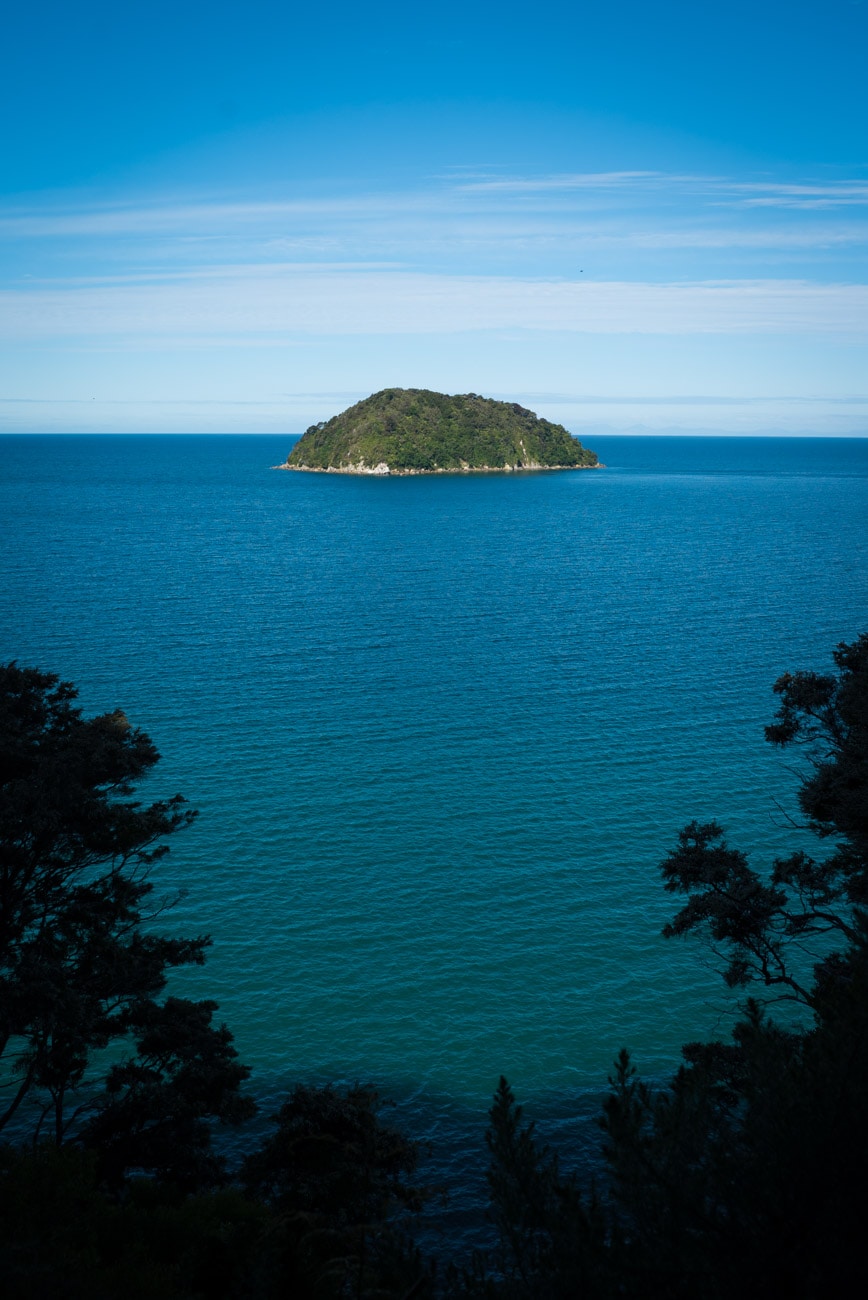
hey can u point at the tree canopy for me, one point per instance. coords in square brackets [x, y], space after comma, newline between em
[80, 967]
[765, 924]
[414, 430]
[112, 1086]
[743, 1174]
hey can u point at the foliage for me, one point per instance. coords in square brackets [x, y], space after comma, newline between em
[156, 1109]
[324, 1214]
[63, 1238]
[79, 970]
[760, 923]
[745, 1174]
[552, 1240]
[338, 1178]
[412, 429]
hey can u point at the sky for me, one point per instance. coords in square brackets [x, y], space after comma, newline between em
[630, 217]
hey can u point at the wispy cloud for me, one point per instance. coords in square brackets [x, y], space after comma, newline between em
[206, 214]
[563, 181]
[803, 197]
[668, 200]
[751, 193]
[639, 276]
[286, 300]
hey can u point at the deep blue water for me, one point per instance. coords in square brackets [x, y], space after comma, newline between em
[442, 730]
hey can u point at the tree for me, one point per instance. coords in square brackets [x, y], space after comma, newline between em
[746, 1173]
[156, 1109]
[63, 1238]
[552, 1238]
[759, 924]
[79, 968]
[338, 1178]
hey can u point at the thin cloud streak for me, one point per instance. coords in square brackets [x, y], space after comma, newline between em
[768, 191]
[480, 196]
[278, 301]
[630, 281]
[567, 181]
[419, 228]
[167, 216]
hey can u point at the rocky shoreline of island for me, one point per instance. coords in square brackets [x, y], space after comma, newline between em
[386, 471]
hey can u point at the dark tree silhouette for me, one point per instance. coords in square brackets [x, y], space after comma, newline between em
[339, 1179]
[760, 924]
[156, 1109]
[746, 1174]
[79, 968]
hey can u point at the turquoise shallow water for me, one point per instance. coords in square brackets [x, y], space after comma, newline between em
[442, 730]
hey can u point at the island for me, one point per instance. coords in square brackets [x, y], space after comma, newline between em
[416, 431]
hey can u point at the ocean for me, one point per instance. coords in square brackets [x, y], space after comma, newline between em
[442, 730]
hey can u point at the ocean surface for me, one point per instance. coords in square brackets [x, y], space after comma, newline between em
[442, 730]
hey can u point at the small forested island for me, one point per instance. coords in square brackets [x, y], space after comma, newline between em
[416, 431]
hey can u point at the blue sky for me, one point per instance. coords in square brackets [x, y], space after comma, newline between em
[242, 218]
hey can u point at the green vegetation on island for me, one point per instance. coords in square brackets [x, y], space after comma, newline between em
[416, 431]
